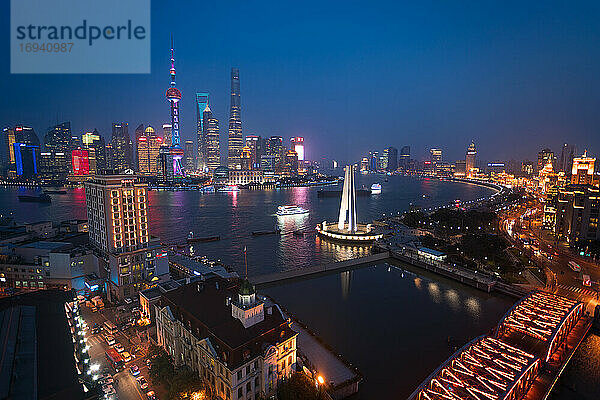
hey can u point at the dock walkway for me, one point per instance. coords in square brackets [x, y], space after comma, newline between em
[283, 276]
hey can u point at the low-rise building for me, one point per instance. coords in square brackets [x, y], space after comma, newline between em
[240, 346]
[66, 263]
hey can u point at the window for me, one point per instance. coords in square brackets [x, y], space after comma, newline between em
[247, 370]
[239, 374]
[248, 387]
[240, 393]
[256, 383]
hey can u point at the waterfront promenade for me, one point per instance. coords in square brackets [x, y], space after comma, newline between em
[311, 272]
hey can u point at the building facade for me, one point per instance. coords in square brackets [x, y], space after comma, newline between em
[240, 346]
[148, 146]
[122, 147]
[117, 208]
[582, 171]
[201, 131]
[577, 213]
[235, 140]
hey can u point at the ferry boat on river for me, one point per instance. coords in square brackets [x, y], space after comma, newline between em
[291, 210]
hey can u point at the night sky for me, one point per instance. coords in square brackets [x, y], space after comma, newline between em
[352, 76]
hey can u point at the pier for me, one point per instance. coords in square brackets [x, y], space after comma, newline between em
[311, 272]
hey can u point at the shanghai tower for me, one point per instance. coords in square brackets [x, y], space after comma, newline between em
[235, 142]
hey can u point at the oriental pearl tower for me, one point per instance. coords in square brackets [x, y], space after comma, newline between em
[173, 96]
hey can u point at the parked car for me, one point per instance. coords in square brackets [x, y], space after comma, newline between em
[110, 340]
[128, 300]
[119, 347]
[143, 383]
[134, 370]
[126, 356]
[94, 309]
[151, 395]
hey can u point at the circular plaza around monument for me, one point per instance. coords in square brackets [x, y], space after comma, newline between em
[347, 229]
[363, 234]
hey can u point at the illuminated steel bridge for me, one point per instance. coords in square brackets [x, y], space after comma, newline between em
[546, 317]
[504, 365]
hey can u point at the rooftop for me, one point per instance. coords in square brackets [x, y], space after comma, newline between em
[205, 307]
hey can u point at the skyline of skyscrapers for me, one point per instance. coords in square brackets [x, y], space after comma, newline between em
[235, 140]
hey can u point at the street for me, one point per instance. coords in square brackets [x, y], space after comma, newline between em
[522, 227]
[125, 384]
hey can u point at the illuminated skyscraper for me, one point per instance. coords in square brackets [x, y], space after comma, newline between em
[122, 149]
[390, 156]
[276, 150]
[173, 96]
[404, 157]
[167, 134]
[567, 154]
[253, 143]
[470, 159]
[582, 171]
[93, 140]
[246, 158]
[83, 161]
[189, 158]
[213, 152]
[235, 142]
[148, 148]
[201, 104]
[117, 210]
[297, 144]
[545, 157]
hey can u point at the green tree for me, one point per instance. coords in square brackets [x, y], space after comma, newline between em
[299, 387]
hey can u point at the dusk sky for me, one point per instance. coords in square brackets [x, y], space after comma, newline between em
[352, 76]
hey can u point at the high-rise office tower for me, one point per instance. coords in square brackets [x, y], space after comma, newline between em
[435, 155]
[57, 143]
[545, 157]
[11, 138]
[276, 150]
[374, 161]
[189, 158]
[297, 144]
[122, 149]
[567, 154]
[391, 158]
[291, 163]
[404, 157]
[235, 142]
[26, 159]
[253, 143]
[246, 158]
[470, 159]
[93, 140]
[582, 171]
[84, 162]
[201, 104]
[148, 146]
[117, 210]
[213, 152]
[173, 96]
[167, 135]
[139, 133]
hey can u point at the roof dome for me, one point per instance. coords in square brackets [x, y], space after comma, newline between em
[246, 288]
